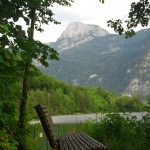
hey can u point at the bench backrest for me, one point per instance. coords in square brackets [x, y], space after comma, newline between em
[47, 124]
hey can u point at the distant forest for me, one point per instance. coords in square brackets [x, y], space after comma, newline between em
[62, 98]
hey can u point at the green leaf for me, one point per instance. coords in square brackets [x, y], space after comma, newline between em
[27, 20]
[102, 1]
[5, 28]
[4, 41]
[15, 18]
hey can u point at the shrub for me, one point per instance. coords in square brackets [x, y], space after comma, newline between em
[120, 131]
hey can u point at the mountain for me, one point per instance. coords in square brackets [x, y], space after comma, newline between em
[78, 33]
[103, 60]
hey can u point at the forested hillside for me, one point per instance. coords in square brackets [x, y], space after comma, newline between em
[62, 98]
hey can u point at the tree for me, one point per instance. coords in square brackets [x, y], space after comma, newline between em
[139, 15]
[18, 47]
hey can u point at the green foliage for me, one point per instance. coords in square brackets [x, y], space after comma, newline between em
[7, 141]
[62, 98]
[102, 1]
[8, 124]
[120, 132]
[40, 81]
[139, 14]
[129, 104]
[17, 50]
[10, 95]
[147, 107]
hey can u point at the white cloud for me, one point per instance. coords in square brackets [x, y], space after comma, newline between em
[86, 11]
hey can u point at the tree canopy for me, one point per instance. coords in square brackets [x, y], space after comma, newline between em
[18, 48]
[139, 14]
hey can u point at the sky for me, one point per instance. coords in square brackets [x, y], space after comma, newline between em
[85, 11]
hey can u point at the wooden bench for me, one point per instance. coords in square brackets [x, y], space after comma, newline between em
[74, 141]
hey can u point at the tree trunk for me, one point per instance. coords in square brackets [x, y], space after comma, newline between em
[22, 116]
[23, 103]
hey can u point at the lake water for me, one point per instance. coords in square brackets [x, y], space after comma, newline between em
[83, 117]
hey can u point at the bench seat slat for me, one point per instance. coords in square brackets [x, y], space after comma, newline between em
[92, 141]
[82, 142]
[89, 142]
[65, 144]
[85, 142]
[61, 145]
[77, 141]
[71, 145]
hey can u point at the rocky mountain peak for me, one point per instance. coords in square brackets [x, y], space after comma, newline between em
[77, 29]
[77, 33]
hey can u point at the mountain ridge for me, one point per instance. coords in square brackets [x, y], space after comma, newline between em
[111, 61]
[77, 33]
